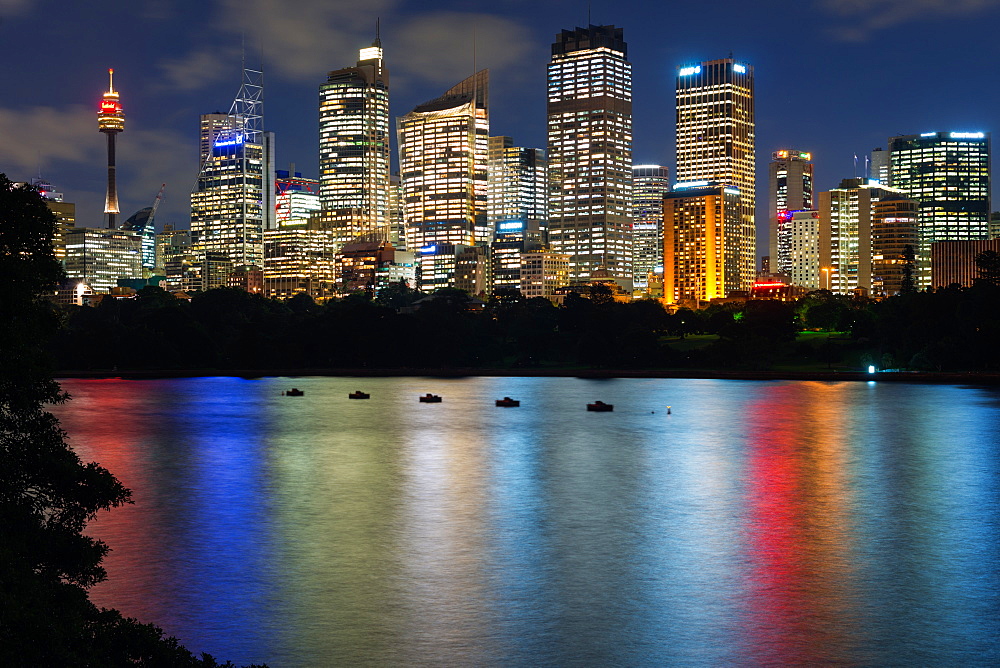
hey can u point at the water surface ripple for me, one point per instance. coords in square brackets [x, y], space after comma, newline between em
[760, 523]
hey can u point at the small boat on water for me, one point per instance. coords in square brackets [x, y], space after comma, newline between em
[359, 395]
[600, 407]
[294, 392]
[507, 402]
[430, 398]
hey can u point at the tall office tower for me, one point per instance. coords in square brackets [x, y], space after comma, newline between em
[111, 121]
[590, 152]
[354, 147]
[443, 147]
[948, 173]
[703, 243]
[296, 197]
[878, 168]
[895, 242]
[171, 243]
[845, 221]
[649, 184]
[228, 204]
[789, 188]
[716, 141]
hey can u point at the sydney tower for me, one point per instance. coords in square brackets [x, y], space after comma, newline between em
[111, 121]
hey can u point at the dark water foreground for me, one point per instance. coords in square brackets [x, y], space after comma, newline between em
[760, 523]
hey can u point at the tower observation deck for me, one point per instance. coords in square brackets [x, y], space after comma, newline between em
[111, 121]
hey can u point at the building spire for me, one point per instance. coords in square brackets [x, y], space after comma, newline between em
[111, 81]
[378, 33]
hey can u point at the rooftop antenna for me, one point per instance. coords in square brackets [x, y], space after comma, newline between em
[378, 32]
[589, 22]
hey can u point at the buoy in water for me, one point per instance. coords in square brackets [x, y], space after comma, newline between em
[668, 410]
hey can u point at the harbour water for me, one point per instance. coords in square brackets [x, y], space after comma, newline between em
[758, 523]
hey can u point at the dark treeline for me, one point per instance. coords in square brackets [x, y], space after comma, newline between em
[952, 329]
[47, 494]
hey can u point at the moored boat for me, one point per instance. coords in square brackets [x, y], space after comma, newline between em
[430, 398]
[600, 407]
[507, 402]
[294, 392]
[359, 395]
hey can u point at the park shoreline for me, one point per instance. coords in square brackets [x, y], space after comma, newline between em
[944, 378]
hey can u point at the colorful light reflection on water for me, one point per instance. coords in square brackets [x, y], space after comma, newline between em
[760, 523]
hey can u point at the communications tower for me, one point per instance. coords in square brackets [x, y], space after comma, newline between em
[111, 121]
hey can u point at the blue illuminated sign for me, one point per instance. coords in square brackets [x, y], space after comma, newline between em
[929, 134]
[427, 250]
[236, 141]
[688, 71]
[739, 68]
[690, 184]
[512, 225]
[967, 135]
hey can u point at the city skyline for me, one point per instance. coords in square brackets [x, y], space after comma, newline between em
[168, 80]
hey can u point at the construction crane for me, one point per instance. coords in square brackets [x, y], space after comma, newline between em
[156, 205]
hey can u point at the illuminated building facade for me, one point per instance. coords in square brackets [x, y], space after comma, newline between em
[799, 230]
[233, 201]
[511, 239]
[590, 151]
[197, 272]
[703, 243]
[354, 147]
[111, 121]
[227, 206]
[397, 224]
[297, 260]
[370, 266]
[65, 213]
[543, 273]
[845, 244]
[453, 266]
[948, 173]
[443, 148]
[649, 184]
[296, 198]
[716, 140]
[789, 188]
[171, 243]
[99, 257]
[142, 224]
[878, 168]
[955, 261]
[517, 187]
[895, 245]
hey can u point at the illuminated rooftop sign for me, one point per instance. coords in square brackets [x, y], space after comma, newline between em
[688, 71]
[236, 141]
[741, 69]
[110, 106]
[928, 134]
[967, 135]
[370, 53]
[690, 184]
[426, 250]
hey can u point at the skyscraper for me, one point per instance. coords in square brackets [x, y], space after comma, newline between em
[702, 238]
[590, 152]
[354, 147]
[649, 184]
[443, 166]
[296, 198]
[228, 205]
[846, 216]
[789, 188]
[948, 173]
[716, 140]
[111, 121]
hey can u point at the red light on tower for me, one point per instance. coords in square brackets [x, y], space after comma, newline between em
[111, 121]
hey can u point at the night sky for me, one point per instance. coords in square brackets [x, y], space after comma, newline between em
[834, 77]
